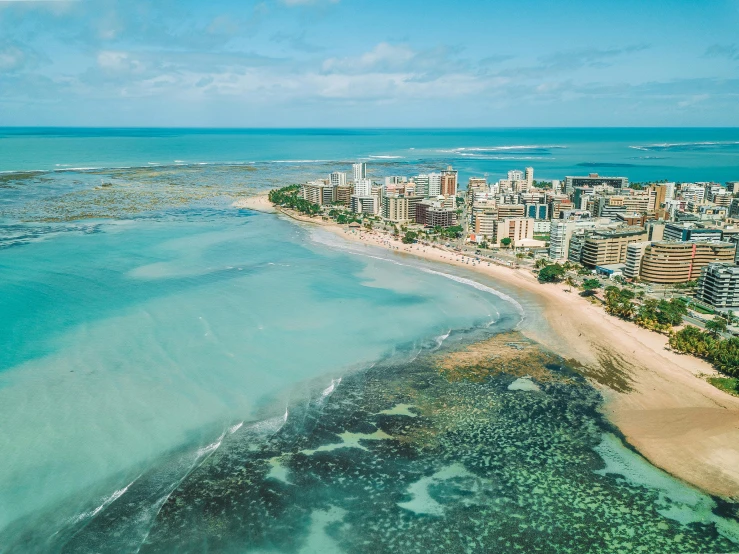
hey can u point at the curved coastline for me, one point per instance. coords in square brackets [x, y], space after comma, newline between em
[655, 397]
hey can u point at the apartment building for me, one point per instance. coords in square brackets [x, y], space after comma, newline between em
[680, 262]
[609, 247]
[719, 285]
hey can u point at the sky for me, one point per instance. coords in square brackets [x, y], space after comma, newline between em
[369, 63]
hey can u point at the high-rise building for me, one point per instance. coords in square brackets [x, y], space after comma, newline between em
[511, 210]
[530, 177]
[359, 171]
[515, 175]
[364, 205]
[690, 232]
[395, 208]
[609, 247]
[484, 222]
[516, 229]
[719, 285]
[559, 238]
[337, 179]
[344, 195]
[363, 187]
[422, 185]
[434, 188]
[680, 262]
[634, 255]
[318, 192]
[537, 211]
[449, 182]
[732, 186]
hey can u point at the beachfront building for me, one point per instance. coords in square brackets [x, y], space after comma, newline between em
[431, 213]
[559, 239]
[484, 222]
[518, 229]
[364, 205]
[680, 262]
[602, 248]
[718, 285]
[395, 209]
[318, 192]
[634, 255]
[343, 195]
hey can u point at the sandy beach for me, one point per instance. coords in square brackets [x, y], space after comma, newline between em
[657, 398]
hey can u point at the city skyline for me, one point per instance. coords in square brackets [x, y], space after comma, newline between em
[345, 63]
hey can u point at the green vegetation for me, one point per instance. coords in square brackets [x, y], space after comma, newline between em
[726, 384]
[701, 310]
[410, 237]
[716, 326]
[591, 284]
[542, 184]
[287, 197]
[505, 242]
[722, 353]
[453, 232]
[619, 302]
[551, 273]
[661, 315]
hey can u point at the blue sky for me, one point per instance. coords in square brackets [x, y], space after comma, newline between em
[343, 63]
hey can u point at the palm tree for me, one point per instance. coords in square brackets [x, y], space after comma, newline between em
[716, 326]
[570, 283]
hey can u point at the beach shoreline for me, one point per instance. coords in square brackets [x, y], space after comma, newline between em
[656, 398]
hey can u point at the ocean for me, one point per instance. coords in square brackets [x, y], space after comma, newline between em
[179, 375]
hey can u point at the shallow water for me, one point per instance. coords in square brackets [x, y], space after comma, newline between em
[400, 457]
[179, 375]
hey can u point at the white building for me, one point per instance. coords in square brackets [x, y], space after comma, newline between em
[434, 189]
[530, 177]
[364, 205]
[337, 179]
[516, 175]
[363, 187]
[559, 238]
[359, 171]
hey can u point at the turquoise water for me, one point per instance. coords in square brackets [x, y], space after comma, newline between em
[161, 350]
[641, 154]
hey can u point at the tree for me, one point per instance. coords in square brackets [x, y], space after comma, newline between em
[619, 302]
[505, 242]
[716, 326]
[551, 273]
[541, 262]
[591, 284]
[410, 237]
[570, 283]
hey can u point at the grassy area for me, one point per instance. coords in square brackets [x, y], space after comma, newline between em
[701, 309]
[726, 384]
